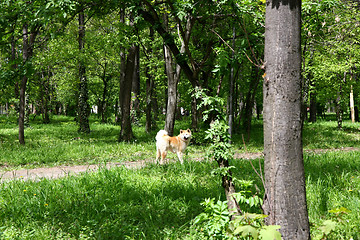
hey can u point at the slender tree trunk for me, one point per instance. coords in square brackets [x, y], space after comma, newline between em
[352, 109]
[149, 92]
[126, 133]
[339, 109]
[83, 105]
[192, 74]
[313, 104]
[171, 93]
[23, 86]
[14, 66]
[249, 102]
[339, 112]
[136, 85]
[173, 75]
[231, 91]
[229, 188]
[285, 199]
[45, 85]
[28, 42]
[103, 100]
[122, 72]
[313, 107]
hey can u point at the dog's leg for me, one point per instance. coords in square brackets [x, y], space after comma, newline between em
[163, 156]
[157, 154]
[180, 156]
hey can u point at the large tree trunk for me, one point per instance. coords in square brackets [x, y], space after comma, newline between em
[126, 133]
[83, 105]
[285, 199]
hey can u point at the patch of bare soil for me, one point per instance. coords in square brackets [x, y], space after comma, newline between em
[63, 171]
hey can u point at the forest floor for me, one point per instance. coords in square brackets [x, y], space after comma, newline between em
[63, 171]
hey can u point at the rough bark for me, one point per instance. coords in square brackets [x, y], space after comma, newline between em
[285, 198]
[126, 133]
[83, 105]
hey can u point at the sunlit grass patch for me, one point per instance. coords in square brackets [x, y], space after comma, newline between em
[149, 203]
[333, 182]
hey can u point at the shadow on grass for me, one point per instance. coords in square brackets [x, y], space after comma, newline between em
[149, 203]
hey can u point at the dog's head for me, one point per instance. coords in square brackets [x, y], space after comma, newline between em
[185, 134]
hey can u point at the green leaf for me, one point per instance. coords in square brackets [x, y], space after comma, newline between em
[328, 226]
[339, 210]
[247, 230]
[270, 233]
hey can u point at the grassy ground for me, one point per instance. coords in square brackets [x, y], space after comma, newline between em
[156, 202]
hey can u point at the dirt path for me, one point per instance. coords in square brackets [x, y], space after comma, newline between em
[63, 171]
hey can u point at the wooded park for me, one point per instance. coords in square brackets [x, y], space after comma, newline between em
[269, 88]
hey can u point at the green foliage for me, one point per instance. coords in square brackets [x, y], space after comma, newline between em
[216, 223]
[327, 229]
[329, 50]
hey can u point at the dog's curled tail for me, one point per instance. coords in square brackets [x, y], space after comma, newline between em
[160, 134]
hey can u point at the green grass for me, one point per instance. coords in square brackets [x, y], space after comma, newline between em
[150, 203]
[156, 202]
[60, 143]
[333, 181]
